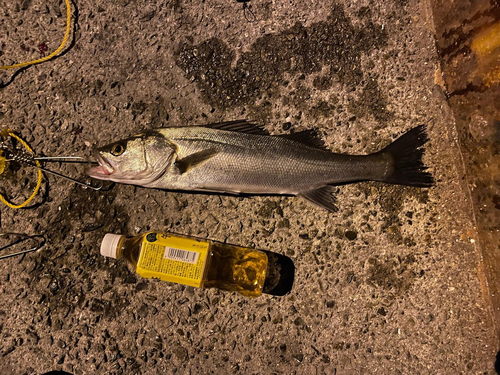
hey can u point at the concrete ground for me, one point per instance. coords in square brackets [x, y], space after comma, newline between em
[387, 285]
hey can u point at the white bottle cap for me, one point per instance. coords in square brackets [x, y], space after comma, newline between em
[109, 245]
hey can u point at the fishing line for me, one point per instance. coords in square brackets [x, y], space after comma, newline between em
[53, 54]
[5, 133]
[30, 158]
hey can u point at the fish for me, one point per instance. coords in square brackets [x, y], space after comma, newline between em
[240, 157]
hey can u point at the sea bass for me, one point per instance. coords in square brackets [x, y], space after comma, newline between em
[239, 157]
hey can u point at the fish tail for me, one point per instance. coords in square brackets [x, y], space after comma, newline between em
[406, 156]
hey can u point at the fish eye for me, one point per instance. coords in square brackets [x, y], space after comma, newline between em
[117, 150]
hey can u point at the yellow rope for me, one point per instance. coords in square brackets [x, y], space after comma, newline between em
[8, 132]
[65, 39]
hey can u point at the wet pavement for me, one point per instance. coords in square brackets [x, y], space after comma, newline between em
[391, 283]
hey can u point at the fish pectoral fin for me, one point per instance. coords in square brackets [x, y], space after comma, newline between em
[323, 197]
[191, 161]
[240, 126]
[309, 138]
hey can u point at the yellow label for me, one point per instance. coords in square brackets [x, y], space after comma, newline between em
[173, 258]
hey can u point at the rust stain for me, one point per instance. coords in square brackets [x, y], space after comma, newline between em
[493, 76]
[487, 40]
[438, 78]
[483, 283]
[468, 41]
[486, 46]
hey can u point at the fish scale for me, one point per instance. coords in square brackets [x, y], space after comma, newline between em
[238, 157]
[261, 164]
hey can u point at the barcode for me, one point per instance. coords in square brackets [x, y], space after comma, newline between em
[182, 255]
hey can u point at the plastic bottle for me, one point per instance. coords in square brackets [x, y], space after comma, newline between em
[190, 261]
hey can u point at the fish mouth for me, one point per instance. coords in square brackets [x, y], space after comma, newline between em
[103, 170]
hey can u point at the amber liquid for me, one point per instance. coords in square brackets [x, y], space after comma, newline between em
[237, 269]
[228, 267]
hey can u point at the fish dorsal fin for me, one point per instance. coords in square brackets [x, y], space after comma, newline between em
[323, 197]
[241, 126]
[309, 138]
[191, 161]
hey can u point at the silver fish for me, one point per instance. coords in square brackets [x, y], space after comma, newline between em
[239, 157]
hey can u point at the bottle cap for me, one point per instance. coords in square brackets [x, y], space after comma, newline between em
[109, 245]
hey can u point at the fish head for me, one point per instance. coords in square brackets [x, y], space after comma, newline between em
[137, 160]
